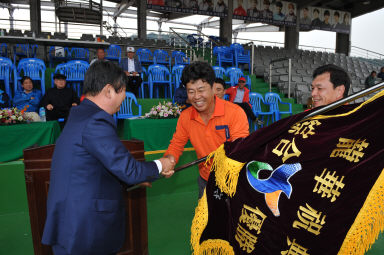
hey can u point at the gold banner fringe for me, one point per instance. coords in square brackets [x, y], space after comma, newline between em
[368, 223]
[226, 171]
[216, 247]
[199, 222]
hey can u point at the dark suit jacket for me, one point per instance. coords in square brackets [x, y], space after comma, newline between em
[124, 65]
[85, 210]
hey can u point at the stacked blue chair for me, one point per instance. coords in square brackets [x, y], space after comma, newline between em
[234, 74]
[78, 54]
[224, 55]
[75, 72]
[53, 57]
[145, 56]
[241, 56]
[257, 102]
[6, 69]
[219, 71]
[161, 57]
[24, 51]
[114, 53]
[4, 50]
[177, 71]
[274, 101]
[159, 75]
[180, 58]
[32, 67]
[126, 111]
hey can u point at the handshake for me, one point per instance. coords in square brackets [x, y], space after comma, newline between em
[168, 164]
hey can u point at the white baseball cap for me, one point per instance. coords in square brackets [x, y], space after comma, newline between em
[130, 49]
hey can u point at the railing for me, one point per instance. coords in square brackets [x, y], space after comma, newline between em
[192, 54]
[289, 73]
[374, 57]
[78, 4]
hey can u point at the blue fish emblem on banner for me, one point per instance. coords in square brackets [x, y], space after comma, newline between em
[277, 182]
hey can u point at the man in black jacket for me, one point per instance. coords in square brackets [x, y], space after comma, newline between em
[58, 100]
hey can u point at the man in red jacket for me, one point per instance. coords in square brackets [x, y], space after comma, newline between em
[240, 95]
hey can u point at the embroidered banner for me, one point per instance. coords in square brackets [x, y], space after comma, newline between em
[310, 186]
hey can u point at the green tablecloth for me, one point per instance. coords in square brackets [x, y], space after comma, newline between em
[15, 138]
[156, 133]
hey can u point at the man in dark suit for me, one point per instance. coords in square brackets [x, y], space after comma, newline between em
[85, 210]
[132, 68]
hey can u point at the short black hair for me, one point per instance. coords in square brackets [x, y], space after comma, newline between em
[338, 76]
[316, 10]
[326, 12]
[221, 81]
[279, 4]
[102, 73]
[26, 78]
[336, 14]
[373, 72]
[196, 71]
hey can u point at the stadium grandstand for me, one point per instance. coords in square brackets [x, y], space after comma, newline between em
[39, 38]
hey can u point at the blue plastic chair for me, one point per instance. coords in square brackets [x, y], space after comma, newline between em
[114, 53]
[224, 55]
[126, 111]
[241, 56]
[144, 79]
[78, 54]
[177, 71]
[274, 102]
[145, 56]
[180, 58]
[161, 57]
[6, 69]
[32, 67]
[24, 51]
[75, 72]
[53, 58]
[219, 71]
[234, 73]
[4, 50]
[257, 102]
[159, 75]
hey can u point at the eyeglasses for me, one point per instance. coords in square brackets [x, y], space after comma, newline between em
[241, 81]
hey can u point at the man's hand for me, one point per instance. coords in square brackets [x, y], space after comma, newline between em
[74, 104]
[127, 73]
[135, 74]
[49, 107]
[168, 164]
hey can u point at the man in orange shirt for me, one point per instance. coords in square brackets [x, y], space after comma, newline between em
[210, 121]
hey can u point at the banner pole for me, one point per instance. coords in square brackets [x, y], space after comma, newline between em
[324, 109]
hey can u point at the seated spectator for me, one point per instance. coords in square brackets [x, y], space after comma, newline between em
[240, 95]
[132, 68]
[181, 97]
[4, 99]
[370, 80]
[100, 53]
[381, 74]
[58, 100]
[219, 88]
[29, 97]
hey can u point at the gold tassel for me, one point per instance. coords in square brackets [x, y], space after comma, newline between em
[368, 223]
[216, 247]
[226, 171]
[199, 222]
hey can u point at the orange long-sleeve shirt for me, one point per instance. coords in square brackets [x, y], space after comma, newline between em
[228, 122]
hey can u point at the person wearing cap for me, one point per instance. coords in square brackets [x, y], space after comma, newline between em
[240, 95]
[132, 69]
[58, 100]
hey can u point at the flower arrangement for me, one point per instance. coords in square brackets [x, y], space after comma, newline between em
[13, 116]
[165, 110]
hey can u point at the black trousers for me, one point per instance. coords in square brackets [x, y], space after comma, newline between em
[248, 110]
[133, 84]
